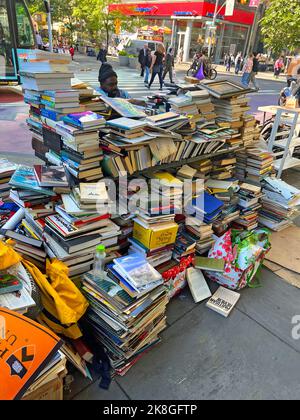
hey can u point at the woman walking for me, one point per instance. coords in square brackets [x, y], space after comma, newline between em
[169, 64]
[157, 65]
[248, 67]
[278, 66]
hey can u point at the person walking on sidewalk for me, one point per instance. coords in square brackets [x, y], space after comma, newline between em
[157, 65]
[248, 67]
[278, 66]
[102, 54]
[143, 58]
[237, 63]
[72, 52]
[147, 63]
[169, 64]
[254, 71]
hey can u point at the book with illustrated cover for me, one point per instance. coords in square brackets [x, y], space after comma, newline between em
[84, 119]
[27, 356]
[123, 107]
[25, 178]
[223, 301]
[51, 176]
[93, 192]
[9, 283]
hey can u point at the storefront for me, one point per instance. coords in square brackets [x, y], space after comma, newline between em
[190, 25]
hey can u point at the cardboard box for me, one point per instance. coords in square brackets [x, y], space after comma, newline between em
[192, 80]
[53, 390]
[155, 237]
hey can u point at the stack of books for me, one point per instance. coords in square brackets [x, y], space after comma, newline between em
[202, 100]
[7, 169]
[127, 309]
[248, 131]
[202, 232]
[81, 223]
[253, 165]
[249, 203]
[205, 207]
[223, 168]
[231, 110]
[280, 203]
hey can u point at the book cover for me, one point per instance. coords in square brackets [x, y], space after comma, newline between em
[82, 119]
[51, 176]
[210, 264]
[123, 107]
[197, 284]
[27, 349]
[24, 177]
[9, 283]
[223, 301]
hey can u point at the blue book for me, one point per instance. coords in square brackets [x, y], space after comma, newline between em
[52, 115]
[207, 203]
[84, 119]
[126, 123]
[25, 178]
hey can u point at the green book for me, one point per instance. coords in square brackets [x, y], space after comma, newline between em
[210, 264]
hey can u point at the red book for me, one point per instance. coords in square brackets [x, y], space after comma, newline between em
[83, 350]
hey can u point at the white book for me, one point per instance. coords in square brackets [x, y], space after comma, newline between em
[223, 301]
[197, 284]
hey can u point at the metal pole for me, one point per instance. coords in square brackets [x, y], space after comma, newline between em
[48, 10]
[213, 25]
[253, 31]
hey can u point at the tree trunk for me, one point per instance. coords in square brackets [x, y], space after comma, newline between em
[107, 36]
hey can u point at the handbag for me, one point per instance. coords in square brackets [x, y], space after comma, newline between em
[200, 74]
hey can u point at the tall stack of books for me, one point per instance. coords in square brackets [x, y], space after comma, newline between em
[202, 100]
[280, 203]
[248, 131]
[231, 110]
[249, 203]
[127, 309]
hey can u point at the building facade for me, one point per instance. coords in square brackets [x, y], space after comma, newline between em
[191, 21]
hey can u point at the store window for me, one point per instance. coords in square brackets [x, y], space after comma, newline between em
[234, 40]
[7, 68]
[25, 35]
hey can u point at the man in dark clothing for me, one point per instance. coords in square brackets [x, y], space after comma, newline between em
[143, 58]
[102, 54]
[254, 71]
[169, 64]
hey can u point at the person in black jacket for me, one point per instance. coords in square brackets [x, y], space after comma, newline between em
[254, 71]
[143, 58]
[169, 64]
[102, 54]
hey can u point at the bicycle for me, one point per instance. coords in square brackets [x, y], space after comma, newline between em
[210, 73]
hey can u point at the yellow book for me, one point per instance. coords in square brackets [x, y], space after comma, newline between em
[155, 237]
[168, 179]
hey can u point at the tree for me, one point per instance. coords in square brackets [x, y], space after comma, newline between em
[280, 25]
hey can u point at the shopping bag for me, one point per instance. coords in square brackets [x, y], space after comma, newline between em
[63, 303]
[243, 253]
[200, 74]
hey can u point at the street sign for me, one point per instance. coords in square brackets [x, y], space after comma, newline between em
[229, 7]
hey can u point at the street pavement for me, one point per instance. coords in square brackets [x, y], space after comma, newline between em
[15, 139]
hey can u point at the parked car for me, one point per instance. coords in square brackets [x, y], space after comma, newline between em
[133, 46]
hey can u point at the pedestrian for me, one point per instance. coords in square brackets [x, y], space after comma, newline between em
[157, 65]
[169, 64]
[142, 58]
[102, 54]
[39, 41]
[180, 55]
[254, 71]
[237, 63]
[278, 66]
[148, 62]
[228, 62]
[72, 52]
[247, 69]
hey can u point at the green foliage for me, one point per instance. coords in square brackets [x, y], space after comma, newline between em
[123, 54]
[280, 25]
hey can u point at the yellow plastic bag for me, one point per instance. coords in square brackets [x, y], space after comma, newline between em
[8, 256]
[63, 303]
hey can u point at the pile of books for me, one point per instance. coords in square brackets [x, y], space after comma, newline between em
[81, 223]
[249, 130]
[127, 309]
[253, 165]
[280, 204]
[231, 110]
[6, 171]
[223, 168]
[249, 203]
[201, 232]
